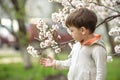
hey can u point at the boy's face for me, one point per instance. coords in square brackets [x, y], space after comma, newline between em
[76, 33]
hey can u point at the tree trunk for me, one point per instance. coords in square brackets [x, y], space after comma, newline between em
[23, 41]
[22, 35]
[110, 40]
[26, 58]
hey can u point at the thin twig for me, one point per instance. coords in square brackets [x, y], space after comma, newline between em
[40, 50]
[108, 19]
[71, 4]
[63, 43]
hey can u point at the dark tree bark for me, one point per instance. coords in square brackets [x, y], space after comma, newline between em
[20, 14]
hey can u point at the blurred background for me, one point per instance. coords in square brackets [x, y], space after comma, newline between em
[18, 29]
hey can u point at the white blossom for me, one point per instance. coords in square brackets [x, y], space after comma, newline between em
[57, 50]
[114, 31]
[41, 37]
[55, 17]
[32, 51]
[109, 59]
[117, 39]
[48, 42]
[59, 37]
[42, 45]
[40, 23]
[65, 3]
[72, 10]
[55, 27]
[92, 6]
[117, 49]
[53, 42]
[48, 34]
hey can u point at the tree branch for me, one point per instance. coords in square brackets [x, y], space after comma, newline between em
[16, 5]
[108, 19]
[60, 44]
[71, 3]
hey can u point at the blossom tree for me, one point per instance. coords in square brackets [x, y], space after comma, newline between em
[108, 11]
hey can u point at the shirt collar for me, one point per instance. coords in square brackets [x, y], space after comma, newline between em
[93, 40]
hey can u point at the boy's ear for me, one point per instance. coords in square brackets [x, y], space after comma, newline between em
[84, 30]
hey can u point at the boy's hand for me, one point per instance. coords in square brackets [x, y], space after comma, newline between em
[47, 62]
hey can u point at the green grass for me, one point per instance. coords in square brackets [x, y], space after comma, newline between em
[113, 69]
[16, 71]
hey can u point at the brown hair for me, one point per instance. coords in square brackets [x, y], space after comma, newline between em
[82, 17]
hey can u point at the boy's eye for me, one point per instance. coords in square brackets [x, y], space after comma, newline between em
[71, 30]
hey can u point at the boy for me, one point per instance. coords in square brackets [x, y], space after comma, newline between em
[87, 60]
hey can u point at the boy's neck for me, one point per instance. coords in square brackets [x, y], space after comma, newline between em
[86, 38]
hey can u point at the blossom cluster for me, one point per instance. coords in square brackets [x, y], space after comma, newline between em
[32, 51]
[115, 32]
[46, 38]
[46, 35]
